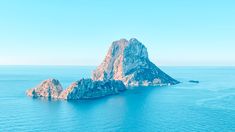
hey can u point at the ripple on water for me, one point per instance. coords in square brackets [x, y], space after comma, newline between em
[224, 102]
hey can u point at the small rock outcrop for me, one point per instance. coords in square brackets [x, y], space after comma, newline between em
[128, 61]
[50, 88]
[193, 81]
[89, 89]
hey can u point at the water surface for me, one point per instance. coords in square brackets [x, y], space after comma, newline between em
[207, 106]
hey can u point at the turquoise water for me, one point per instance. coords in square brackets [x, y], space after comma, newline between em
[207, 106]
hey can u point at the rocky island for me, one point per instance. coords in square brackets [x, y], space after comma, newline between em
[82, 89]
[50, 88]
[126, 65]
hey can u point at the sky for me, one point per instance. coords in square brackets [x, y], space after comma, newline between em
[79, 32]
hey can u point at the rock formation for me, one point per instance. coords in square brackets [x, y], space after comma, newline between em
[193, 81]
[83, 89]
[126, 64]
[50, 88]
[89, 89]
[128, 61]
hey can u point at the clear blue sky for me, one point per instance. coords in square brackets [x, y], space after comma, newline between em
[79, 32]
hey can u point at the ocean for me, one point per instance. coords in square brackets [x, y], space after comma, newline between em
[206, 106]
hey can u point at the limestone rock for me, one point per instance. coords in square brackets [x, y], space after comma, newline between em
[89, 89]
[128, 61]
[50, 88]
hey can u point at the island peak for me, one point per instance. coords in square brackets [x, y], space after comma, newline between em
[128, 61]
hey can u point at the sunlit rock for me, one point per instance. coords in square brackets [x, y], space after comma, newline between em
[128, 61]
[50, 88]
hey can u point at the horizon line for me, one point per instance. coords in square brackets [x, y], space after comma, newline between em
[98, 65]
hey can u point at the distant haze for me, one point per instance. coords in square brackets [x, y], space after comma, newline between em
[79, 32]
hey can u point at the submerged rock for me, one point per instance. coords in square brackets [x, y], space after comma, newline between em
[50, 88]
[89, 89]
[128, 61]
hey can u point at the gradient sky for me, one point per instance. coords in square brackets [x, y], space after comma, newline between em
[79, 32]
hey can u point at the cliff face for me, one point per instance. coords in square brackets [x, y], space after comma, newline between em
[50, 88]
[128, 61]
[89, 89]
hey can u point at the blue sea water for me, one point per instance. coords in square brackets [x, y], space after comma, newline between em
[207, 106]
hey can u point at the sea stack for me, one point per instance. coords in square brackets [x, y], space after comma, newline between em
[50, 89]
[128, 61]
